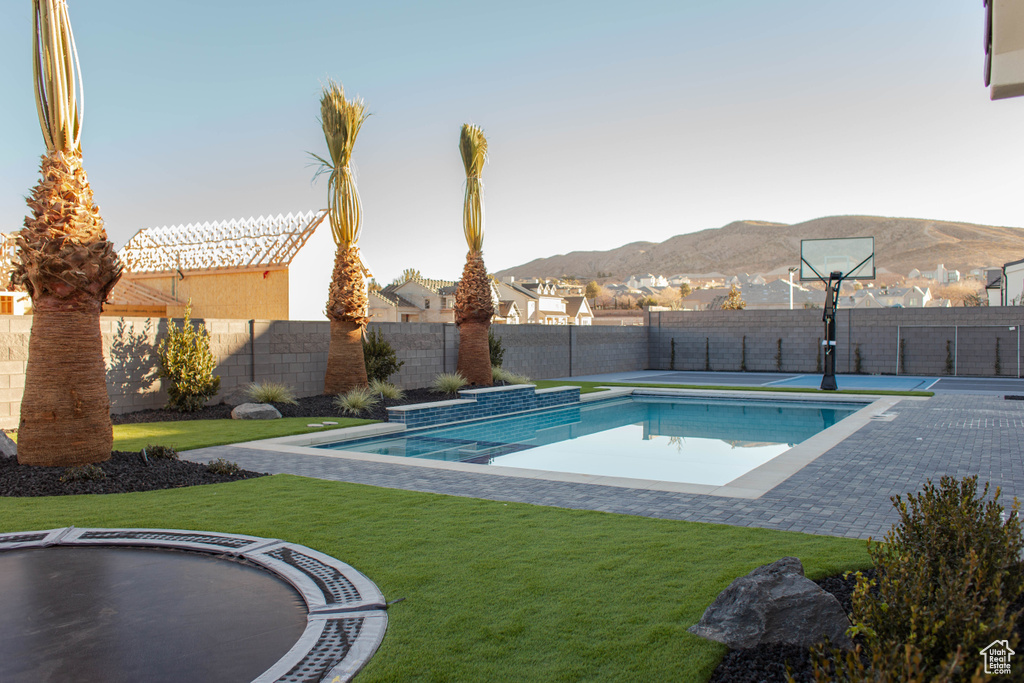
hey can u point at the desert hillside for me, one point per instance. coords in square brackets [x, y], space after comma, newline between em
[901, 244]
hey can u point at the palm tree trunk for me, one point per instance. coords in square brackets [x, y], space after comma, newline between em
[475, 353]
[346, 368]
[65, 410]
[346, 309]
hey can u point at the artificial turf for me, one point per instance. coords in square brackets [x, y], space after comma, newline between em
[589, 387]
[186, 435]
[493, 591]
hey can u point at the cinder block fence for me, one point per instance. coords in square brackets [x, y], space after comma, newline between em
[962, 341]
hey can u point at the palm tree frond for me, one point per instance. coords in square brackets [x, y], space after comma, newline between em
[60, 96]
[473, 146]
[341, 120]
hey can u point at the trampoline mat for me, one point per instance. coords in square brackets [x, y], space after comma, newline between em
[132, 614]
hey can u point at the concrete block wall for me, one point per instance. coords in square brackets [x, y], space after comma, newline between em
[917, 336]
[295, 353]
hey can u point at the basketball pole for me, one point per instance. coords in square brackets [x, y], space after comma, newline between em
[832, 286]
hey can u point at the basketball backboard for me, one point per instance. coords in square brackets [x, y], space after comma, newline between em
[853, 257]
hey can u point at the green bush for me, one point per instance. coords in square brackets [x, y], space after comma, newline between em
[356, 401]
[270, 392]
[187, 364]
[946, 576]
[154, 452]
[222, 466]
[448, 382]
[386, 390]
[496, 348]
[83, 473]
[379, 356]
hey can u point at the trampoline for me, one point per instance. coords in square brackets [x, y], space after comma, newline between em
[172, 605]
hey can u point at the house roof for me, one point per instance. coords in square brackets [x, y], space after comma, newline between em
[573, 304]
[443, 287]
[251, 242]
[395, 299]
[505, 308]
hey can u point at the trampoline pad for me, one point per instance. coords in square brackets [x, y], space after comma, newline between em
[134, 614]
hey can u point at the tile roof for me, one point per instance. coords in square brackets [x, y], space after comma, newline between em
[252, 242]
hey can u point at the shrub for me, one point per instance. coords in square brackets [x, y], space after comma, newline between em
[858, 362]
[949, 358]
[672, 355]
[498, 374]
[187, 364]
[83, 473]
[356, 401]
[778, 355]
[386, 390]
[379, 356]
[222, 466]
[155, 452]
[496, 348]
[448, 382]
[947, 574]
[270, 392]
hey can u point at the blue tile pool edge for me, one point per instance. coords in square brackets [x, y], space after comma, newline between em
[751, 485]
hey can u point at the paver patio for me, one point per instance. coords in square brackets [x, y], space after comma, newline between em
[844, 492]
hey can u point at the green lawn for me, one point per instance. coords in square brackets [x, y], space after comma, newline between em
[188, 434]
[589, 387]
[494, 591]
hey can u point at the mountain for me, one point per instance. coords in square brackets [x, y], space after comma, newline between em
[901, 244]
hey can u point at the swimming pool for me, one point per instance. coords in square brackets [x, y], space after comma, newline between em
[707, 441]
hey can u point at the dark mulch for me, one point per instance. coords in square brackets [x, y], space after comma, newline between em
[123, 473]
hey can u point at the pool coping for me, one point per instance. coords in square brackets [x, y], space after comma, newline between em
[751, 485]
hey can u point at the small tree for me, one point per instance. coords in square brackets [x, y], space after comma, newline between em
[496, 349]
[379, 356]
[734, 302]
[593, 290]
[187, 363]
[685, 290]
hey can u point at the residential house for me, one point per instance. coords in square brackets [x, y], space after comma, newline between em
[538, 305]
[578, 310]
[266, 268]
[775, 295]
[13, 301]
[646, 280]
[1011, 289]
[994, 286]
[422, 300]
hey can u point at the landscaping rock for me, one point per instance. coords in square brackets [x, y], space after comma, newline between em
[774, 604]
[255, 411]
[7, 446]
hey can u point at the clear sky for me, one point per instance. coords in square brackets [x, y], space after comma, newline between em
[607, 122]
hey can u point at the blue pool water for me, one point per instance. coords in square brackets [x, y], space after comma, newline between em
[700, 440]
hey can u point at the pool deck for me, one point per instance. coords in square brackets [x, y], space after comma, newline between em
[966, 428]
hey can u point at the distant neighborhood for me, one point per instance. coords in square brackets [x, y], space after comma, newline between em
[274, 268]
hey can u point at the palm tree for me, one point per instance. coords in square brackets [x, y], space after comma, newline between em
[68, 268]
[473, 305]
[346, 299]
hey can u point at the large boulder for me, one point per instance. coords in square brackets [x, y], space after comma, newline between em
[7, 446]
[255, 411]
[774, 604]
